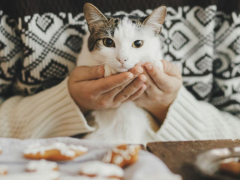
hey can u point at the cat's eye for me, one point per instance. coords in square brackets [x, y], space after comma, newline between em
[108, 42]
[137, 43]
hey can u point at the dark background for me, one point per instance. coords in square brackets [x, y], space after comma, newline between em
[20, 8]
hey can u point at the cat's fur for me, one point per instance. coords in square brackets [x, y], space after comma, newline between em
[127, 123]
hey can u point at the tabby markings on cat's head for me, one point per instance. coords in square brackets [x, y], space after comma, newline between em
[120, 39]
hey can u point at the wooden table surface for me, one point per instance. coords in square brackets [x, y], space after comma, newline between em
[180, 156]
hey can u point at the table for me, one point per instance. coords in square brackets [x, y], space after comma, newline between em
[179, 156]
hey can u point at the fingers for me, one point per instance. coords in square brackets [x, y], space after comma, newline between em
[137, 94]
[131, 89]
[152, 88]
[109, 83]
[136, 71]
[83, 73]
[171, 69]
[164, 81]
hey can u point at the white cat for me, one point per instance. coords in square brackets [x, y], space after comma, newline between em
[118, 43]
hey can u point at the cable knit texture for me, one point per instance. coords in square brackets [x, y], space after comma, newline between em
[190, 119]
[49, 113]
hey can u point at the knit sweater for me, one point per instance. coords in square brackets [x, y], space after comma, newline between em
[40, 41]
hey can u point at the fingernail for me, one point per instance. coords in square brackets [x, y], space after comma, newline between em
[138, 71]
[144, 87]
[129, 76]
[148, 66]
[141, 79]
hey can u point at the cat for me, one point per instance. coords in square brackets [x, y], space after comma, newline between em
[119, 43]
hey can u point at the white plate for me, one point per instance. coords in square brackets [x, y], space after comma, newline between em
[208, 162]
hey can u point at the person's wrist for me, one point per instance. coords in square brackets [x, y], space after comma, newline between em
[83, 109]
[160, 113]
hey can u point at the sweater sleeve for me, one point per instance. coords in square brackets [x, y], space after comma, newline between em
[49, 113]
[190, 119]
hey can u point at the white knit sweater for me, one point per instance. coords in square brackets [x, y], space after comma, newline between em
[49, 113]
[53, 113]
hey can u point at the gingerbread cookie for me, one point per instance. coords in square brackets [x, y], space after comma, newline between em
[41, 165]
[51, 175]
[55, 152]
[86, 178]
[232, 167]
[122, 155]
[3, 170]
[101, 170]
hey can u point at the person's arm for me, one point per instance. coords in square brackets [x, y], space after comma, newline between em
[49, 113]
[182, 117]
[162, 89]
[190, 119]
[104, 93]
[57, 111]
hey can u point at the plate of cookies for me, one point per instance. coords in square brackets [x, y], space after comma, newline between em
[222, 164]
[74, 159]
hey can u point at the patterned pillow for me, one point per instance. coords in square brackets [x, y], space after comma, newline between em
[203, 42]
[188, 37]
[226, 94]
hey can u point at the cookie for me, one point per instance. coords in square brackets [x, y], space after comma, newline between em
[0, 150]
[232, 167]
[55, 152]
[52, 175]
[41, 165]
[122, 155]
[86, 178]
[3, 170]
[101, 170]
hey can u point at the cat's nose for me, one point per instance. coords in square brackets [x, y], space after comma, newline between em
[121, 60]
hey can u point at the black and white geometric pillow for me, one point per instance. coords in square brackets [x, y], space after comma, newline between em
[203, 42]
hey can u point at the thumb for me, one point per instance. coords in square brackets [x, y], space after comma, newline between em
[84, 73]
[171, 69]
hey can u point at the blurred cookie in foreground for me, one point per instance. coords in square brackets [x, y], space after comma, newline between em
[3, 170]
[0, 150]
[232, 167]
[122, 155]
[55, 152]
[86, 178]
[101, 170]
[52, 175]
[42, 166]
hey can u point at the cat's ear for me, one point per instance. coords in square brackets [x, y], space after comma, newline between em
[93, 16]
[156, 19]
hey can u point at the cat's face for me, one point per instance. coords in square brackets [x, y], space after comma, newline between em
[123, 41]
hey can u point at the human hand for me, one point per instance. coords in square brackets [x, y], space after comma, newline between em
[162, 89]
[90, 90]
